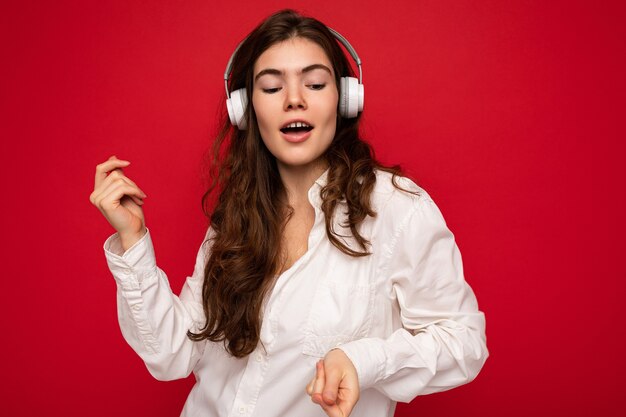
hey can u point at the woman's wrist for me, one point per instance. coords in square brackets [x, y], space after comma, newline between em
[128, 240]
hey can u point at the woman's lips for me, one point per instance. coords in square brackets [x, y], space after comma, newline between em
[296, 137]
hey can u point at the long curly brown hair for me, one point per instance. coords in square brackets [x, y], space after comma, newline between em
[247, 218]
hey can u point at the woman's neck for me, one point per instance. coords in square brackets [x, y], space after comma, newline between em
[299, 179]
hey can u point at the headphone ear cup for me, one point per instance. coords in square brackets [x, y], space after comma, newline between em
[236, 106]
[361, 97]
[351, 97]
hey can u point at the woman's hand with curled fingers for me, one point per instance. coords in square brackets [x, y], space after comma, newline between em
[335, 386]
[120, 200]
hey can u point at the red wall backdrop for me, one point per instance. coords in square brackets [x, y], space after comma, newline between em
[511, 115]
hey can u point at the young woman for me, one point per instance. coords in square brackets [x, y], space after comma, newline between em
[326, 283]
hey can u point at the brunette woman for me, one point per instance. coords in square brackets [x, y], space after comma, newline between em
[322, 272]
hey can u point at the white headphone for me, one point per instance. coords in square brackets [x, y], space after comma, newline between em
[351, 92]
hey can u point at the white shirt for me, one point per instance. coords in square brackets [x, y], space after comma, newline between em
[405, 316]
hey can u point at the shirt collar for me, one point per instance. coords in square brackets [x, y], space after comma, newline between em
[322, 179]
[314, 192]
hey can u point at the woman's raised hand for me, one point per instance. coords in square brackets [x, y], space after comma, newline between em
[335, 386]
[120, 200]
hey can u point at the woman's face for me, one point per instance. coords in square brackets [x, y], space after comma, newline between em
[294, 82]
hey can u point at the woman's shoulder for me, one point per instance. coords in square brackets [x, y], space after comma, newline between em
[398, 199]
[397, 192]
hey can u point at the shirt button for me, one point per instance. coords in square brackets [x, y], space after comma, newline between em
[259, 357]
[242, 409]
[126, 271]
[136, 307]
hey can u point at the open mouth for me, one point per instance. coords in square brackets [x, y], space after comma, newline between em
[296, 128]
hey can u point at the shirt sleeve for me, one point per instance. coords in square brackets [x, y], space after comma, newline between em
[153, 320]
[442, 342]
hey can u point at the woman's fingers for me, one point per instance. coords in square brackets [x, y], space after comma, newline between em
[118, 173]
[334, 390]
[110, 198]
[138, 197]
[341, 386]
[115, 176]
[118, 194]
[106, 167]
[115, 181]
[331, 402]
[318, 385]
[309, 387]
[331, 388]
[119, 199]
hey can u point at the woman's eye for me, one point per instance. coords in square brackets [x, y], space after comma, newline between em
[317, 86]
[271, 90]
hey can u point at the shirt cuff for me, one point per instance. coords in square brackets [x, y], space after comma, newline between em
[132, 268]
[368, 357]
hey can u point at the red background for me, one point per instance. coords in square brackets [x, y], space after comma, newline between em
[510, 114]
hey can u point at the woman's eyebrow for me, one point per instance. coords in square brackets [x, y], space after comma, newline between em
[316, 66]
[273, 71]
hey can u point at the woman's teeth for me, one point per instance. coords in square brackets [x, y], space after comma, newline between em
[296, 127]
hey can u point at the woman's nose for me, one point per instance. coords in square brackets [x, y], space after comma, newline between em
[294, 99]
